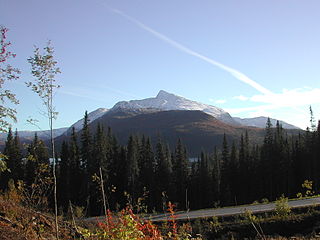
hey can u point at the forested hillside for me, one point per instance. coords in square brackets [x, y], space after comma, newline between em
[150, 175]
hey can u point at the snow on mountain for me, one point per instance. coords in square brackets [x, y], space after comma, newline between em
[91, 116]
[165, 101]
[260, 122]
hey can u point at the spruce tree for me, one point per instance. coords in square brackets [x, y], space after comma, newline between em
[86, 158]
[132, 167]
[10, 160]
[233, 169]
[37, 155]
[18, 162]
[243, 170]
[65, 177]
[268, 162]
[99, 160]
[76, 173]
[163, 182]
[225, 174]
[205, 182]
[147, 172]
[216, 177]
[181, 175]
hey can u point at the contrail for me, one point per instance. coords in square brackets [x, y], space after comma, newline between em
[239, 75]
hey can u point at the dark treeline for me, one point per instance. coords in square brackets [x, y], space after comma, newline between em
[149, 175]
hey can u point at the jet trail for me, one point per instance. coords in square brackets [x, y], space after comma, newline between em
[237, 74]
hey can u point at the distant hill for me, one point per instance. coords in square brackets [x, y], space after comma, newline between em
[260, 122]
[28, 135]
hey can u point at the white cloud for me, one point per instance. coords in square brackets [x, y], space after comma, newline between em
[241, 98]
[289, 105]
[220, 101]
[290, 98]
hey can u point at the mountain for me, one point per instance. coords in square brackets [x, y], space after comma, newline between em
[165, 101]
[260, 122]
[28, 135]
[197, 129]
[91, 116]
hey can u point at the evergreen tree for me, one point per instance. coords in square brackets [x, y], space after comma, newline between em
[147, 172]
[216, 177]
[86, 144]
[13, 160]
[163, 182]
[86, 158]
[268, 162]
[65, 177]
[100, 152]
[76, 174]
[118, 177]
[18, 175]
[99, 160]
[37, 155]
[181, 174]
[132, 167]
[233, 169]
[205, 183]
[243, 170]
[225, 173]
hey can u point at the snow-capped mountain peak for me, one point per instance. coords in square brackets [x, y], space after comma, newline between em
[165, 101]
[165, 95]
[91, 116]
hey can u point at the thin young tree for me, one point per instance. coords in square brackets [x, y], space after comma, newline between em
[44, 71]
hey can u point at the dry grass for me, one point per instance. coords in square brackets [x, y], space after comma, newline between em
[21, 223]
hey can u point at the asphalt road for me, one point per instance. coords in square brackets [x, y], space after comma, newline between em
[220, 212]
[229, 211]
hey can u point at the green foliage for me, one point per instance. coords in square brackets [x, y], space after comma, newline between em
[11, 160]
[3, 163]
[307, 186]
[37, 193]
[250, 217]
[44, 70]
[215, 224]
[181, 174]
[282, 207]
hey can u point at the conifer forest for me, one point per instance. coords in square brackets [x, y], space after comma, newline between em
[147, 175]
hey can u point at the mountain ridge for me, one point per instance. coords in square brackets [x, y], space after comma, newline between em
[164, 101]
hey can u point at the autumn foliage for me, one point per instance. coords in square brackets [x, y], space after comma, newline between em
[128, 226]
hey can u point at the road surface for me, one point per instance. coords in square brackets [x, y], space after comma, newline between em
[229, 211]
[220, 212]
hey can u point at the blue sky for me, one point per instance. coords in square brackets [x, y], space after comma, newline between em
[248, 57]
